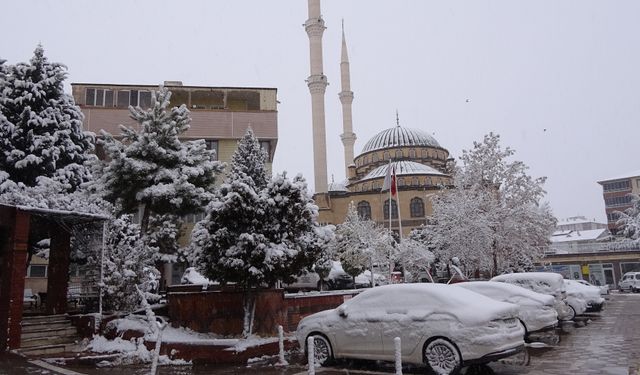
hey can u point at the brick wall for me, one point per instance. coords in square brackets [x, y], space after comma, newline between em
[221, 311]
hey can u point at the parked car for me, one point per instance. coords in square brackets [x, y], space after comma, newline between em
[441, 326]
[547, 283]
[589, 293]
[604, 289]
[535, 310]
[630, 282]
[337, 279]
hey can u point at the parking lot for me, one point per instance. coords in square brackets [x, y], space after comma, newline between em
[606, 343]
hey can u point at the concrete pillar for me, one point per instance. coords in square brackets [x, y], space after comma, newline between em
[58, 275]
[13, 272]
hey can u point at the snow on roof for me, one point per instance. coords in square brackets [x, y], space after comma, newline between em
[541, 282]
[621, 177]
[399, 136]
[403, 168]
[577, 235]
[469, 307]
[576, 220]
[55, 212]
[338, 186]
[505, 292]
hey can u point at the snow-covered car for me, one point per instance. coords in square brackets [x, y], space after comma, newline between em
[604, 289]
[535, 310]
[441, 326]
[590, 294]
[305, 282]
[630, 282]
[547, 283]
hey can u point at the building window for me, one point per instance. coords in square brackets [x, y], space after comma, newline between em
[374, 158]
[417, 207]
[412, 153]
[425, 154]
[386, 155]
[99, 97]
[364, 210]
[212, 144]
[37, 270]
[613, 216]
[398, 154]
[617, 185]
[400, 181]
[617, 201]
[266, 146]
[638, 183]
[415, 181]
[134, 98]
[394, 209]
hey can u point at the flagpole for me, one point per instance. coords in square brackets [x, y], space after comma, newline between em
[395, 180]
[390, 231]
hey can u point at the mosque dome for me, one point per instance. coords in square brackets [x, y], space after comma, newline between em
[399, 136]
[403, 167]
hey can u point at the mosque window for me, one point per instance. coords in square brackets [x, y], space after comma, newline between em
[417, 207]
[401, 182]
[412, 153]
[424, 154]
[387, 155]
[398, 154]
[364, 210]
[394, 209]
[374, 158]
[415, 181]
[428, 181]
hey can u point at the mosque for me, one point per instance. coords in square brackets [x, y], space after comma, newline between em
[419, 161]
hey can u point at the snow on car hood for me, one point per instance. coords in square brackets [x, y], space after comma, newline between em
[508, 292]
[542, 282]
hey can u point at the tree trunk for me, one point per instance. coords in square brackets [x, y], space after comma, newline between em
[249, 306]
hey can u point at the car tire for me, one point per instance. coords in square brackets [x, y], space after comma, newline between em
[323, 353]
[572, 314]
[441, 356]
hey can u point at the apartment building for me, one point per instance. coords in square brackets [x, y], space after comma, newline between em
[615, 192]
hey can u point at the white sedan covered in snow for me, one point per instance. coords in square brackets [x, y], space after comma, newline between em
[547, 283]
[536, 310]
[589, 293]
[441, 326]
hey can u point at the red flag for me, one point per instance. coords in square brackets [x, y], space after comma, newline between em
[393, 182]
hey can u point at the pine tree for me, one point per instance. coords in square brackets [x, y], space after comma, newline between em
[151, 168]
[128, 264]
[257, 232]
[629, 220]
[40, 126]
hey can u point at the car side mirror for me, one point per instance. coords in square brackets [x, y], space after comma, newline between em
[342, 312]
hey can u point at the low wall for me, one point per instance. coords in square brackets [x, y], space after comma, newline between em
[221, 311]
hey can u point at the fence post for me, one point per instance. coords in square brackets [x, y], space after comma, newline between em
[397, 344]
[282, 361]
[311, 356]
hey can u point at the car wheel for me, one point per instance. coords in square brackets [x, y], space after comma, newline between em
[442, 357]
[322, 352]
[572, 314]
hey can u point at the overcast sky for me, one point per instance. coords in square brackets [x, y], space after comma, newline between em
[558, 80]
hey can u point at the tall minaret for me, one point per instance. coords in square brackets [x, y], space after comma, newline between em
[346, 98]
[317, 83]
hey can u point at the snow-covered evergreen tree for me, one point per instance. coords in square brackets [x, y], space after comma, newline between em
[151, 168]
[629, 219]
[128, 264]
[255, 235]
[41, 126]
[250, 158]
[360, 243]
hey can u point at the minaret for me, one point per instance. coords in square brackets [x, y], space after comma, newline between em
[317, 83]
[346, 98]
